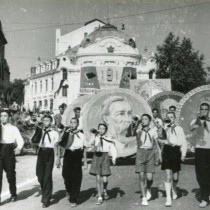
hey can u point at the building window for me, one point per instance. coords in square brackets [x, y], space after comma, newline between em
[40, 86]
[40, 104]
[46, 85]
[45, 103]
[35, 87]
[109, 75]
[52, 83]
[65, 76]
[51, 104]
[64, 91]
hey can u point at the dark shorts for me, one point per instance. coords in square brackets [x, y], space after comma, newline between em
[171, 158]
[145, 161]
[100, 164]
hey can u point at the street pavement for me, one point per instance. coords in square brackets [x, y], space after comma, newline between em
[123, 189]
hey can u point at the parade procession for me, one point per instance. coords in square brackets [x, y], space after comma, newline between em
[104, 104]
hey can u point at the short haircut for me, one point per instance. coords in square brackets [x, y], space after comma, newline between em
[205, 104]
[49, 117]
[77, 109]
[103, 124]
[172, 107]
[74, 118]
[148, 116]
[108, 102]
[172, 113]
[61, 107]
[6, 111]
[155, 109]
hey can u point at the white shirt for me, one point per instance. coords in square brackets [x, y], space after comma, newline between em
[11, 134]
[108, 146]
[202, 139]
[79, 141]
[80, 126]
[54, 137]
[176, 137]
[147, 138]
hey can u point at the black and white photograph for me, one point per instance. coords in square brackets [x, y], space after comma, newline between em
[104, 104]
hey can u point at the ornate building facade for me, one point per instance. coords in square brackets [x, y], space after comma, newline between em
[99, 57]
[4, 69]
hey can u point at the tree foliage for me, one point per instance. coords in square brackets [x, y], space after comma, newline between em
[15, 91]
[176, 59]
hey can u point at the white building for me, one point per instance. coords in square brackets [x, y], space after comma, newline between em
[93, 57]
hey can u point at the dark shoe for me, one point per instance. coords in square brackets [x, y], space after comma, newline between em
[13, 198]
[45, 205]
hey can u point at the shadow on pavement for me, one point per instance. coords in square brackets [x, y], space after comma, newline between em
[87, 194]
[115, 192]
[157, 193]
[197, 193]
[57, 196]
[27, 193]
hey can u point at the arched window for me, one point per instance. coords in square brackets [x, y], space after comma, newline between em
[46, 85]
[64, 90]
[40, 86]
[151, 74]
[40, 104]
[51, 104]
[45, 103]
[65, 75]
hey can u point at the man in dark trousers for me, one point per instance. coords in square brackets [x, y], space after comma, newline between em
[201, 126]
[73, 140]
[45, 161]
[11, 143]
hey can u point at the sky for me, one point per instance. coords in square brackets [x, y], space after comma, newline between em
[29, 25]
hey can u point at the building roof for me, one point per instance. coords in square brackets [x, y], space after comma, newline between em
[2, 37]
[91, 21]
[107, 30]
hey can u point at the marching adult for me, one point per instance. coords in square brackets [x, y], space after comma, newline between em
[11, 143]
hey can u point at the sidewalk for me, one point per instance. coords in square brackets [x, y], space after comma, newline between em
[123, 186]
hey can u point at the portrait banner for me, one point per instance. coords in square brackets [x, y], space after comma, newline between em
[162, 101]
[188, 111]
[115, 108]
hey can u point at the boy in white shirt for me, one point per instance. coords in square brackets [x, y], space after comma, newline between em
[174, 151]
[45, 159]
[73, 140]
[100, 166]
[146, 156]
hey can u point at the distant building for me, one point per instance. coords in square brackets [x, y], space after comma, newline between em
[94, 57]
[4, 69]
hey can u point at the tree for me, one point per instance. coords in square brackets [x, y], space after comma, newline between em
[176, 59]
[15, 91]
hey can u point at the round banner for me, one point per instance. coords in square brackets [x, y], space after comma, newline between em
[115, 108]
[188, 111]
[162, 101]
[69, 112]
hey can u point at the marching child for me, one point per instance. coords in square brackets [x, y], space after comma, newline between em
[146, 157]
[47, 139]
[74, 141]
[100, 166]
[174, 151]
